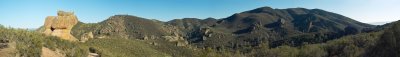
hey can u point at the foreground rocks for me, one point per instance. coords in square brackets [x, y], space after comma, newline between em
[93, 52]
[93, 55]
[61, 25]
[4, 43]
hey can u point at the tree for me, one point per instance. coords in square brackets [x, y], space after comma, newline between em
[351, 30]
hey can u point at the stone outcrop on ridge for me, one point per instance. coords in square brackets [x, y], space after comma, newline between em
[61, 25]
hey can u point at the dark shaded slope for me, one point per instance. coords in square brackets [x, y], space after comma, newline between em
[289, 26]
[303, 20]
[127, 27]
[389, 43]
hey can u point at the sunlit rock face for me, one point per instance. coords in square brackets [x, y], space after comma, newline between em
[61, 25]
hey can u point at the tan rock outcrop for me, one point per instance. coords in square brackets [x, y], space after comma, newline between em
[179, 40]
[85, 37]
[61, 25]
[93, 55]
[173, 38]
[182, 43]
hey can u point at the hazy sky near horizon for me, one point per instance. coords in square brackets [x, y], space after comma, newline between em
[32, 13]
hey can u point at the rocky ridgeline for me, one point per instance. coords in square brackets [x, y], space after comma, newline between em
[61, 25]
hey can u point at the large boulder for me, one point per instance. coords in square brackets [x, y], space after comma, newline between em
[61, 25]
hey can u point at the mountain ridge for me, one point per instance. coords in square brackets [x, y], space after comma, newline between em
[281, 25]
[259, 32]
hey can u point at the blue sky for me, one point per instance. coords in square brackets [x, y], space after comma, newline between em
[31, 13]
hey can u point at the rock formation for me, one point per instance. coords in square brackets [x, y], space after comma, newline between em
[61, 25]
[85, 37]
[179, 40]
[93, 53]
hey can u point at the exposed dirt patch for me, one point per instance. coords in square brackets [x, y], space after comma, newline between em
[46, 52]
[9, 51]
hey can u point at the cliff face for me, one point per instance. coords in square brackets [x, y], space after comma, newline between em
[61, 25]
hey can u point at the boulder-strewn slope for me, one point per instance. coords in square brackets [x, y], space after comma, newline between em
[243, 32]
[127, 28]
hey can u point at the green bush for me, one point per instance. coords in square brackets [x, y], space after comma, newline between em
[314, 50]
[30, 43]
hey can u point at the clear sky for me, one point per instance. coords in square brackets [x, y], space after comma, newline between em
[32, 13]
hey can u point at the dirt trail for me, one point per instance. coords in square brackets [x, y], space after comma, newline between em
[46, 52]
